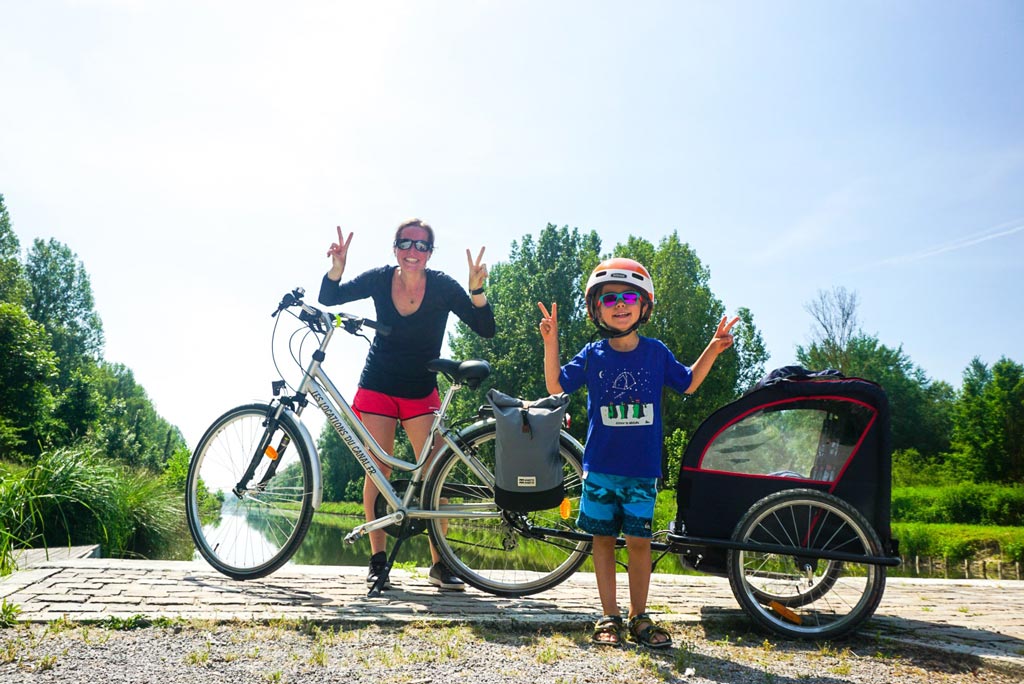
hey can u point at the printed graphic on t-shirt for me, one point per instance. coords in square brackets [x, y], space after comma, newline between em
[627, 406]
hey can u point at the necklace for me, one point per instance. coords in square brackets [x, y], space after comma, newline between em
[412, 293]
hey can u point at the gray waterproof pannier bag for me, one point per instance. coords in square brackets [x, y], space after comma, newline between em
[527, 466]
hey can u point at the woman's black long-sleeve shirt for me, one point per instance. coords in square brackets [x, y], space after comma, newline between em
[397, 363]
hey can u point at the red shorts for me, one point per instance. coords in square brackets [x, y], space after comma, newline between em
[380, 404]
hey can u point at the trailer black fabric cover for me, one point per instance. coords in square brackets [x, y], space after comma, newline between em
[734, 457]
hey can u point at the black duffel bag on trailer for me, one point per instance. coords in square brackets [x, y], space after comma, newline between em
[527, 466]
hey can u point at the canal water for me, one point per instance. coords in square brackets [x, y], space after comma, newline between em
[324, 545]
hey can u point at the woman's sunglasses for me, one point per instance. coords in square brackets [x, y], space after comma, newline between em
[629, 298]
[420, 245]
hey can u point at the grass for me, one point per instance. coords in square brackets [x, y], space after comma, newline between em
[959, 542]
[75, 496]
[8, 613]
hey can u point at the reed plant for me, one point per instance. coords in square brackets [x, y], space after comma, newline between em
[75, 496]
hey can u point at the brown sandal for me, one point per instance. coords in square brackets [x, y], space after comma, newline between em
[644, 634]
[610, 625]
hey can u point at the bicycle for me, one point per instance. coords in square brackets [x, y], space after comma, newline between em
[254, 481]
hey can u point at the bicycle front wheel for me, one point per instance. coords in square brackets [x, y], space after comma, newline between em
[497, 551]
[247, 524]
[802, 596]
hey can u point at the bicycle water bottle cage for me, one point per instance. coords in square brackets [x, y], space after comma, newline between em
[470, 373]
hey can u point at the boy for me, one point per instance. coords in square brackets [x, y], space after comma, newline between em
[624, 374]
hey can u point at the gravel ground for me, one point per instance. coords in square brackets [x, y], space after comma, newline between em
[431, 653]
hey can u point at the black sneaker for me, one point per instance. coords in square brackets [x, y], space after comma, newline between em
[442, 576]
[378, 567]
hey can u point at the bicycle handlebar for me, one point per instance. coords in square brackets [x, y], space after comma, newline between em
[320, 321]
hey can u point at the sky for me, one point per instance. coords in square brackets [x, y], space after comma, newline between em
[197, 157]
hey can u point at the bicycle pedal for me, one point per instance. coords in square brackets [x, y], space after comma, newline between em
[353, 537]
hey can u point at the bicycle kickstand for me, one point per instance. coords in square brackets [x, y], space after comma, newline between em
[378, 586]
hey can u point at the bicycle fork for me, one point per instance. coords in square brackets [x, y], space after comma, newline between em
[265, 449]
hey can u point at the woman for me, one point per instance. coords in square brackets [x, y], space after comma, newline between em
[395, 386]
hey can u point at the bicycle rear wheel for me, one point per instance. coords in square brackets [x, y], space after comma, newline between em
[800, 596]
[248, 527]
[502, 552]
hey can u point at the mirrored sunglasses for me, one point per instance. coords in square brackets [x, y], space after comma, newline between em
[629, 298]
[420, 245]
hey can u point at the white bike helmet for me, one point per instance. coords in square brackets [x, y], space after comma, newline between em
[625, 271]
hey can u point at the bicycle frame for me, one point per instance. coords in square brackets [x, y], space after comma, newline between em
[362, 444]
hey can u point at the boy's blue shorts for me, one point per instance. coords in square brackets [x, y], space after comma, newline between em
[614, 503]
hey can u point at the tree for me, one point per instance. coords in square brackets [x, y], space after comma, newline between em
[835, 312]
[685, 316]
[921, 410]
[26, 402]
[553, 268]
[128, 427]
[61, 299]
[55, 388]
[13, 287]
[339, 466]
[988, 432]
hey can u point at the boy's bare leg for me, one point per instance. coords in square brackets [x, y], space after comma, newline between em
[639, 549]
[604, 571]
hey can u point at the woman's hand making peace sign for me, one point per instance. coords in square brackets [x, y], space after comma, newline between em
[477, 270]
[339, 255]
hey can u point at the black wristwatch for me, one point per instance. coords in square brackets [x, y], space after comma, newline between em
[479, 290]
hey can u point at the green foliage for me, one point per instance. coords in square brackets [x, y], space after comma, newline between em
[8, 613]
[55, 389]
[338, 466]
[966, 503]
[551, 269]
[127, 426]
[921, 410]
[75, 496]
[60, 298]
[685, 316]
[910, 399]
[988, 432]
[342, 473]
[959, 542]
[910, 468]
[915, 538]
[554, 268]
[28, 368]
[13, 287]
[675, 447]
[1014, 550]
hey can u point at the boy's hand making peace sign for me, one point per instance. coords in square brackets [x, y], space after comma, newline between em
[722, 338]
[549, 322]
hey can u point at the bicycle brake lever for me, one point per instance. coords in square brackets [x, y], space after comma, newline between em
[291, 299]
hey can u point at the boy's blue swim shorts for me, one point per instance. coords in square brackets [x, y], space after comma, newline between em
[614, 503]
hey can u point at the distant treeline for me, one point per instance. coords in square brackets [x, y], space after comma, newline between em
[56, 390]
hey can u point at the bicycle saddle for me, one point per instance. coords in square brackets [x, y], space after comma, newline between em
[471, 373]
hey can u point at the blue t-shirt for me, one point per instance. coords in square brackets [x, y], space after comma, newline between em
[624, 404]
